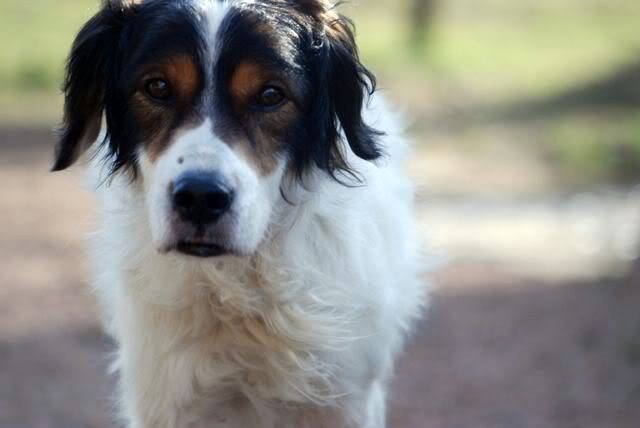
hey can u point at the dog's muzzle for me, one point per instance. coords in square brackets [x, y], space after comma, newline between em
[200, 200]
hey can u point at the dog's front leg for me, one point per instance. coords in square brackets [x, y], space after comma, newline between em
[150, 394]
[376, 406]
[159, 380]
[156, 381]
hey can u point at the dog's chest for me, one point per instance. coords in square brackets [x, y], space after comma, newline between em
[273, 341]
[273, 355]
[244, 373]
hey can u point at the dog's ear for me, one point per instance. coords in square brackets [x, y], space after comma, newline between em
[88, 69]
[349, 82]
[341, 86]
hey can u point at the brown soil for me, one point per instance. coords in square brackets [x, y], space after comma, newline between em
[496, 349]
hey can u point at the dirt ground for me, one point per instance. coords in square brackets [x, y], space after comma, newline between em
[497, 349]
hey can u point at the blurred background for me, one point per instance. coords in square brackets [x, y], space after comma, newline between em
[526, 121]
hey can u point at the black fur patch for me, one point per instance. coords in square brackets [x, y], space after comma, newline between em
[103, 66]
[316, 47]
[312, 46]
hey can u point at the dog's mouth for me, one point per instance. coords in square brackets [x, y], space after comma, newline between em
[201, 249]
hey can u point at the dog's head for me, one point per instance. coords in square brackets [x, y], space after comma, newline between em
[211, 105]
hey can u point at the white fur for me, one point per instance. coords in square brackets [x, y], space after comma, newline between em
[302, 332]
[199, 149]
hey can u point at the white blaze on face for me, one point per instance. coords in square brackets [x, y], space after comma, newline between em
[200, 150]
[197, 149]
[214, 12]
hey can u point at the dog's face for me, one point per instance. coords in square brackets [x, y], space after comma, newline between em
[211, 105]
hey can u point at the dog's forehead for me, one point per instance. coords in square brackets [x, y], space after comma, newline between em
[206, 27]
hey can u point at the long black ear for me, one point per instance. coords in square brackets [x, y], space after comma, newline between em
[341, 85]
[349, 83]
[84, 87]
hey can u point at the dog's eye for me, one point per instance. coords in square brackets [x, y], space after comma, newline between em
[270, 97]
[158, 89]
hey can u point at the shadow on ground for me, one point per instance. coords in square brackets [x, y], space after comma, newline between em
[501, 351]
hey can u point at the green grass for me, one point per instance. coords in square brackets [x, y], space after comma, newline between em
[482, 54]
[37, 35]
[597, 146]
[505, 48]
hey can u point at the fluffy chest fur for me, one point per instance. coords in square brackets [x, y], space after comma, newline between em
[311, 323]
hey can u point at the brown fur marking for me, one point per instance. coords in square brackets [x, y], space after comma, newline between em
[246, 81]
[157, 120]
[263, 128]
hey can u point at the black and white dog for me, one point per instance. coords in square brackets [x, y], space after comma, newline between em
[256, 260]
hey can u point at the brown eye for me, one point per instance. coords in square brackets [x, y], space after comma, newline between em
[158, 89]
[270, 97]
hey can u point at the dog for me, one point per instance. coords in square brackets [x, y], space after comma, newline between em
[256, 261]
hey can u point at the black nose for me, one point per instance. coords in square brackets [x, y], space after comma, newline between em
[201, 198]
